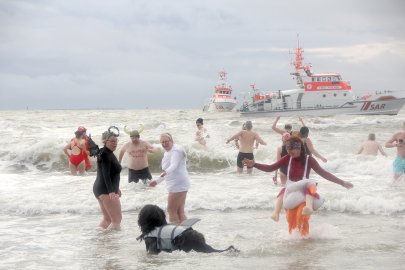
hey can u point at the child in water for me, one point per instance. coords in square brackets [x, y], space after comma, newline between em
[201, 133]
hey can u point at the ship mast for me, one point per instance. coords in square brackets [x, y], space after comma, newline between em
[222, 84]
[298, 65]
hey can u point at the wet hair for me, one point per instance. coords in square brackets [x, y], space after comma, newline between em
[199, 121]
[304, 131]
[107, 135]
[371, 136]
[248, 125]
[150, 217]
[78, 133]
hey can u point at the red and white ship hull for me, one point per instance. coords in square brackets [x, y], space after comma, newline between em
[319, 94]
[220, 106]
[367, 107]
[221, 100]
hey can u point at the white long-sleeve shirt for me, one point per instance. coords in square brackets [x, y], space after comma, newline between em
[174, 164]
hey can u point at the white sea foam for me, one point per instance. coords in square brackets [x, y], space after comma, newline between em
[46, 210]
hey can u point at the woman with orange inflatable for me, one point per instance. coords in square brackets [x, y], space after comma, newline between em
[299, 194]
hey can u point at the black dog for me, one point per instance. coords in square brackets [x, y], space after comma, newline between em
[160, 236]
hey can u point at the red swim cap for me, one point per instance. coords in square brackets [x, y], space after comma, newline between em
[81, 129]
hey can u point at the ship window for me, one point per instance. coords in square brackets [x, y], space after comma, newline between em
[335, 79]
[329, 79]
[313, 79]
[319, 79]
[324, 79]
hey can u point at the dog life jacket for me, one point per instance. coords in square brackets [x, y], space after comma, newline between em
[167, 233]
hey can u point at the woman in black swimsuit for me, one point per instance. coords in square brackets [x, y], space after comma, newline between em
[106, 187]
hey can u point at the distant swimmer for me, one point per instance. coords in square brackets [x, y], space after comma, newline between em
[78, 153]
[201, 134]
[308, 146]
[137, 150]
[398, 140]
[287, 127]
[281, 150]
[371, 147]
[247, 139]
[86, 156]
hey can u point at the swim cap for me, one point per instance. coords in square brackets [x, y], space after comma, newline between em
[81, 129]
[134, 133]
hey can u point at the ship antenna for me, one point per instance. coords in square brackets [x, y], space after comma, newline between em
[298, 63]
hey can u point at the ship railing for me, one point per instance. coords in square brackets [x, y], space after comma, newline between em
[283, 107]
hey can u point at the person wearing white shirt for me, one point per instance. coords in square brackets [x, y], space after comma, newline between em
[174, 172]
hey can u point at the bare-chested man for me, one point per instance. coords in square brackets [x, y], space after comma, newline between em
[398, 140]
[247, 139]
[371, 147]
[137, 150]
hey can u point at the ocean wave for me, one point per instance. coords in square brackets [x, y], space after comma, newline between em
[366, 206]
[50, 158]
[38, 194]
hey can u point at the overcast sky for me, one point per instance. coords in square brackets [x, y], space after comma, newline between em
[71, 54]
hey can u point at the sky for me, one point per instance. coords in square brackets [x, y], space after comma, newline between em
[166, 54]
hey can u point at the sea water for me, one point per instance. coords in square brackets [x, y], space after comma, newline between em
[49, 218]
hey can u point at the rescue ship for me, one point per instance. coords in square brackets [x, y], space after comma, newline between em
[221, 100]
[318, 95]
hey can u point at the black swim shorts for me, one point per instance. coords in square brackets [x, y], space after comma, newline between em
[242, 156]
[135, 175]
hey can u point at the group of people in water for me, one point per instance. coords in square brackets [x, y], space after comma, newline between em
[294, 161]
[106, 187]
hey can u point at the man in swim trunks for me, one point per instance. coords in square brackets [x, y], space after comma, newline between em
[137, 150]
[371, 147]
[247, 139]
[398, 140]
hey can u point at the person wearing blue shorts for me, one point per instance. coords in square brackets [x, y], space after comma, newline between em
[398, 140]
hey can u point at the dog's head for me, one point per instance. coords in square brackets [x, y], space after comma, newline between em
[151, 216]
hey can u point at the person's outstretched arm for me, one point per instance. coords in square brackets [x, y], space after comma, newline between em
[313, 150]
[275, 128]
